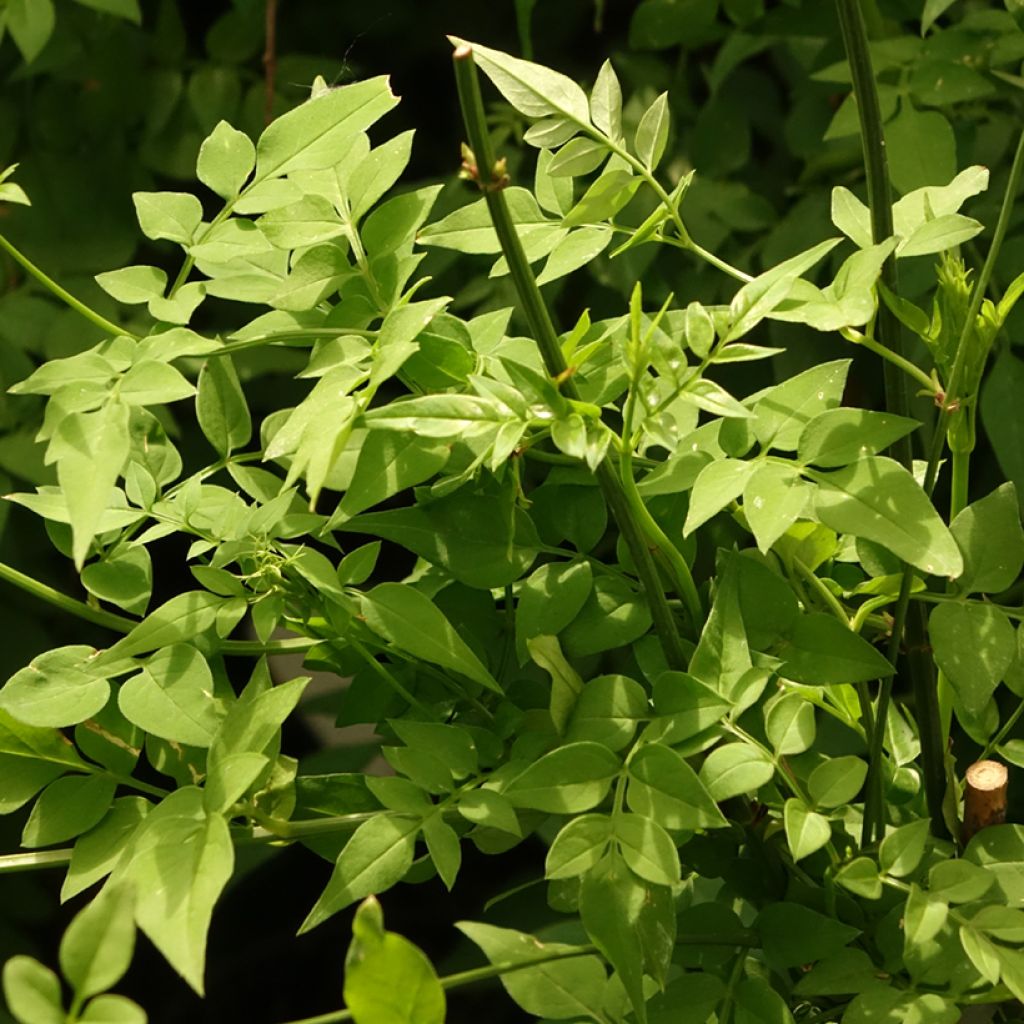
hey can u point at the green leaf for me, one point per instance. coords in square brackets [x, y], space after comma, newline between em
[783, 413]
[974, 645]
[578, 157]
[901, 850]
[861, 877]
[59, 688]
[443, 846]
[755, 300]
[566, 683]
[603, 199]
[876, 498]
[579, 846]
[179, 620]
[647, 849]
[376, 857]
[172, 215]
[180, 861]
[226, 159]
[31, 24]
[567, 780]
[959, 881]
[608, 710]
[718, 483]
[316, 133]
[733, 769]
[558, 989]
[469, 229]
[940, 234]
[933, 10]
[806, 831]
[990, 537]
[837, 781]
[221, 407]
[758, 1003]
[652, 132]
[388, 980]
[606, 102]
[533, 90]
[883, 1004]
[789, 724]
[172, 697]
[612, 616]
[389, 462]
[576, 250]
[97, 947]
[32, 992]
[151, 382]
[123, 577]
[843, 973]
[97, 852]
[838, 437]
[549, 599]
[1003, 415]
[921, 148]
[95, 447]
[774, 497]
[662, 786]
[485, 807]
[411, 621]
[686, 706]
[110, 1009]
[444, 416]
[792, 934]
[133, 285]
[67, 808]
[314, 276]
[822, 651]
[377, 172]
[127, 9]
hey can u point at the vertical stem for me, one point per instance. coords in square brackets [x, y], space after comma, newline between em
[910, 624]
[543, 329]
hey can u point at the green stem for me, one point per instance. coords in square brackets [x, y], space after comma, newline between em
[1003, 732]
[34, 860]
[897, 401]
[63, 294]
[375, 666]
[99, 617]
[304, 334]
[883, 351]
[543, 329]
[824, 594]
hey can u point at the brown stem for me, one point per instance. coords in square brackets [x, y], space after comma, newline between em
[270, 60]
[984, 797]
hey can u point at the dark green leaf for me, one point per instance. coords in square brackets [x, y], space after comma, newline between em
[792, 934]
[822, 651]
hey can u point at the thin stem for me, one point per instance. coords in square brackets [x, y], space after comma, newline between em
[883, 351]
[99, 617]
[299, 334]
[375, 666]
[897, 401]
[63, 294]
[34, 860]
[961, 465]
[825, 595]
[543, 329]
[254, 648]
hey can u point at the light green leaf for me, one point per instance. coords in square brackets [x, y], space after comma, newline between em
[608, 711]
[469, 229]
[532, 89]
[411, 621]
[718, 484]
[821, 651]
[612, 616]
[990, 537]
[852, 217]
[783, 413]
[902, 849]
[376, 857]
[377, 172]
[221, 407]
[774, 497]
[606, 102]
[67, 808]
[179, 864]
[94, 448]
[860, 876]
[31, 24]
[442, 416]
[133, 285]
[806, 831]
[388, 980]
[566, 683]
[567, 780]
[97, 852]
[665, 788]
[32, 992]
[485, 807]
[603, 199]
[576, 250]
[876, 498]
[151, 382]
[577, 157]
[310, 221]
[735, 768]
[178, 620]
[940, 234]
[98, 944]
[921, 148]
[558, 989]
[837, 437]
[549, 599]
[110, 1009]
[959, 881]
[171, 215]
[789, 724]
[315, 134]
[226, 159]
[647, 849]
[974, 645]
[172, 697]
[61, 687]
[579, 846]
[179, 309]
[554, 195]
[652, 132]
[837, 781]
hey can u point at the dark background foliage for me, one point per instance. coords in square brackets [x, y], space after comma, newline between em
[108, 107]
